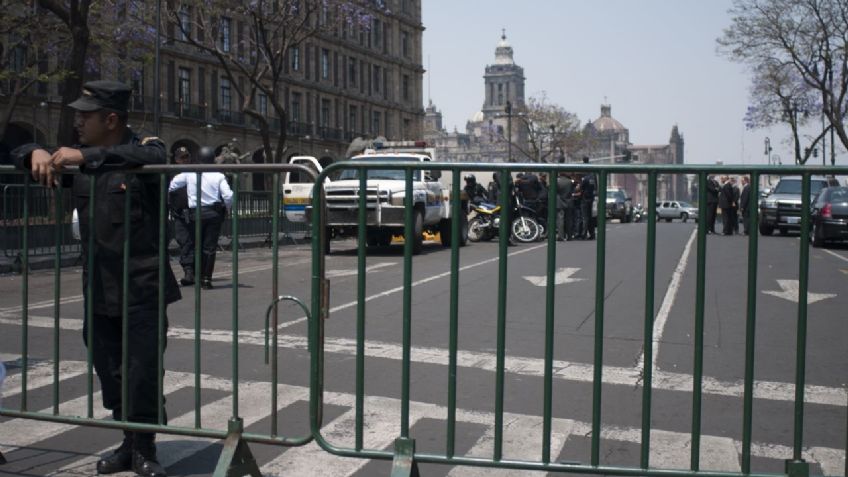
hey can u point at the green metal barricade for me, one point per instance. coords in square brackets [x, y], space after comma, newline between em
[405, 457]
[235, 459]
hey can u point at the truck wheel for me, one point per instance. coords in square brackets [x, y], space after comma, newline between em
[817, 236]
[783, 231]
[372, 239]
[445, 232]
[418, 234]
[327, 242]
[766, 229]
[384, 238]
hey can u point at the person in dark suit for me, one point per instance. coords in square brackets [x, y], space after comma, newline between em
[712, 203]
[734, 206]
[725, 203]
[745, 204]
[565, 207]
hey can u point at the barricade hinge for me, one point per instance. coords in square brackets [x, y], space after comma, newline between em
[404, 464]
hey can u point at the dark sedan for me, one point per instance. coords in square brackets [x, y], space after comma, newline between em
[830, 216]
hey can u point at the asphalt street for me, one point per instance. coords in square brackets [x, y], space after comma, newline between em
[39, 449]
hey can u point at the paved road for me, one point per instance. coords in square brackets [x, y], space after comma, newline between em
[50, 449]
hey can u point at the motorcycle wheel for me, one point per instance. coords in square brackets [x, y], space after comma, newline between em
[525, 229]
[477, 229]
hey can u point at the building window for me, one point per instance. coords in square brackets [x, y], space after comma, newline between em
[351, 64]
[295, 108]
[263, 104]
[377, 29]
[352, 118]
[500, 95]
[294, 57]
[226, 95]
[375, 123]
[325, 113]
[226, 34]
[405, 87]
[377, 76]
[185, 22]
[185, 86]
[404, 44]
[325, 64]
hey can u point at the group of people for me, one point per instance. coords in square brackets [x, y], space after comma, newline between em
[106, 154]
[576, 194]
[733, 201]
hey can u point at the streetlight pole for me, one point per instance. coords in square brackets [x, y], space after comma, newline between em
[157, 66]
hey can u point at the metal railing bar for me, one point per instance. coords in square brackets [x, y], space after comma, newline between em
[161, 335]
[125, 298]
[504, 237]
[453, 337]
[57, 295]
[408, 240]
[275, 290]
[600, 267]
[750, 326]
[198, 274]
[360, 309]
[549, 319]
[648, 332]
[25, 296]
[801, 335]
[698, 358]
[235, 285]
[89, 296]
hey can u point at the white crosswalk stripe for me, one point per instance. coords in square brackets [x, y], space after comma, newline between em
[522, 434]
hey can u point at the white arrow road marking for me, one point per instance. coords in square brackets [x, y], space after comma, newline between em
[562, 276]
[789, 291]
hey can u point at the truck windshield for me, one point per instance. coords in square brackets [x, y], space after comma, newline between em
[793, 186]
[385, 174]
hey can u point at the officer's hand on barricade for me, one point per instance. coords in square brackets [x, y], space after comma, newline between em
[67, 156]
[41, 167]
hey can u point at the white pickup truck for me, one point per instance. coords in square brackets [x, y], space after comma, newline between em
[385, 203]
[297, 188]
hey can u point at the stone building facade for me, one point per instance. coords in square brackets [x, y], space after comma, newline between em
[354, 82]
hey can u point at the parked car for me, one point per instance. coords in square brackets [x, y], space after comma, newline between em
[675, 209]
[619, 205]
[829, 216]
[781, 209]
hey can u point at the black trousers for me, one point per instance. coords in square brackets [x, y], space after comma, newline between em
[727, 217]
[746, 220]
[142, 366]
[711, 216]
[184, 235]
[587, 227]
[211, 220]
[565, 222]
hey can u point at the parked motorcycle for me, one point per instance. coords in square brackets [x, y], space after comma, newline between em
[485, 224]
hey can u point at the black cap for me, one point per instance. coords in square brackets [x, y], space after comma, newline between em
[97, 95]
[206, 155]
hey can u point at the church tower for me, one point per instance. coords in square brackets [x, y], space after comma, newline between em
[504, 82]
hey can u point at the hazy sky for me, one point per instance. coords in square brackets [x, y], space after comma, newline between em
[655, 61]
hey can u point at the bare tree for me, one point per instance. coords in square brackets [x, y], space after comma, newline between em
[272, 30]
[808, 38]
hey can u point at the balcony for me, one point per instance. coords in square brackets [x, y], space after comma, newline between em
[332, 134]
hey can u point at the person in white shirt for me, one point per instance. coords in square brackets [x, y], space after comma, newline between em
[216, 199]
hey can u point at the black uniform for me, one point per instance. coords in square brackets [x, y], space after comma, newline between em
[726, 203]
[476, 193]
[745, 207]
[565, 207]
[109, 168]
[712, 203]
[178, 206]
[587, 197]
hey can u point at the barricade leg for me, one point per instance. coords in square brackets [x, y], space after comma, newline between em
[236, 459]
[404, 465]
[2, 459]
[797, 468]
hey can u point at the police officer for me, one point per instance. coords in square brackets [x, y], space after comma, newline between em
[107, 152]
[565, 206]
[475, 191]
[178, 206]
[588, 185]
[216, 198]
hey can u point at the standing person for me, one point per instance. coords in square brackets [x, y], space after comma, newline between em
[725, 203]
[183, 232]
[107, 152]
[712, 203]
[216, 198]
[565, 207]
[494, 188]
[588, 184]
[734, 206]
[745, 204]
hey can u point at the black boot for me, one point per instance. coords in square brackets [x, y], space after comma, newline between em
[120, 459]
[206, 273]
[144, 462]
[188, 277]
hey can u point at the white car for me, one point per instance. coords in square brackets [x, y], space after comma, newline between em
[673, 209]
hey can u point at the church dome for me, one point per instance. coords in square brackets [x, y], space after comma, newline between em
[503, 53]
[477, 117]
[606, 123]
